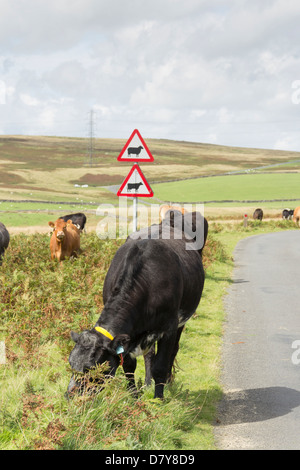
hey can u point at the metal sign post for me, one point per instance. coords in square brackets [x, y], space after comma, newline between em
[135, 184]
[134, 221]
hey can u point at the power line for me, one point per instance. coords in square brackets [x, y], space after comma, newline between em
[91, 138]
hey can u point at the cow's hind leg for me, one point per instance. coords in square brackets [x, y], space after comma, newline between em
[174, 353]
[162, 364]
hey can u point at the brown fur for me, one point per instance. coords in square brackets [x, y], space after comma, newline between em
[165, 208]
[65, 239]
[296, 216]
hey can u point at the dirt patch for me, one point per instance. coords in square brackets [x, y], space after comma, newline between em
[9, 178]
[99, 179]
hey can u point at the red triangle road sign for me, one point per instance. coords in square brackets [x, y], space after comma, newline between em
[135, 184]
[135, 150]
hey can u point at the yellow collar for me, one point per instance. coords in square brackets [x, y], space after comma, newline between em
[104, 332]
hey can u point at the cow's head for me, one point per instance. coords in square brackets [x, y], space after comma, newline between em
[59, 228]
[91, 349]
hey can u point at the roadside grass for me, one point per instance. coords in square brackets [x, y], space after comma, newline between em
[42, 301]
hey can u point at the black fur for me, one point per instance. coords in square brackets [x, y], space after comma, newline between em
[152, 287]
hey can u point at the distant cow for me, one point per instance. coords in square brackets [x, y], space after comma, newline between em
[4, 239]
[296, 216]
[287, 214]
[134, 150]
[134, 186]
[65, 239]
[78, 219]
[152, 288]
[165, 208]
[258, 214]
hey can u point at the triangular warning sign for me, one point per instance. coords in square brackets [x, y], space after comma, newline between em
[135, 184]
[135, 150]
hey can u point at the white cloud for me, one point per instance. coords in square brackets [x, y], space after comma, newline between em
[29, 100]
[193, 71]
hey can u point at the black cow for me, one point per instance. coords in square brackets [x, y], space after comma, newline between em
[153, 286]
[287, 214]
[4, 239]
[134, 186]
[258, 214]
[134, 150]
[78, 219]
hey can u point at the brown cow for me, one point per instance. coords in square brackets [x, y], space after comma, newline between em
[65, 239]
[165, 208]
[296, 216]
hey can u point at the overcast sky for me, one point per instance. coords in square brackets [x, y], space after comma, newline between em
[213, 71]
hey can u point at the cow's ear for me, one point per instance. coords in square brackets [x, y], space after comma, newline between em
[120, 343]
[51, 224]
[69, 222]
[74, 336]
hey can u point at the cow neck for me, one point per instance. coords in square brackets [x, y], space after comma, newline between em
[106, 333]
[115, 324]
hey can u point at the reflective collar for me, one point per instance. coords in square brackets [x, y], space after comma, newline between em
[104, 332]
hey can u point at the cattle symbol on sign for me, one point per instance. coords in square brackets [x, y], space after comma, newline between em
[135, 184]
[135, 150]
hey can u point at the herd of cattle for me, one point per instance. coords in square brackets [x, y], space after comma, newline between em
[153, 286]
[287, 214]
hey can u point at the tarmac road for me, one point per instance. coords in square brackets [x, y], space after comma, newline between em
[261, 361]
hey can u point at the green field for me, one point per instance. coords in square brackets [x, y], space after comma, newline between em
[28, 214]
[249, 187]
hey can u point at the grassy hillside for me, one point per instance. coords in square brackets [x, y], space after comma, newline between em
[57, 170]
[46, 168]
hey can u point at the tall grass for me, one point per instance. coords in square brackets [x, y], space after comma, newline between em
[41, 301]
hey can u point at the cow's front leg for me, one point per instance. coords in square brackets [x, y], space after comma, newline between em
[129, 366]
[162, 362]
[148, 358]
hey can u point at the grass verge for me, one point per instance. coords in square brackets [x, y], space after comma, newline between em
[41, 301]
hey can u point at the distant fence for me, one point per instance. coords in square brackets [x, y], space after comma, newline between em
[52, 202]
[227, 201]
[222, 201]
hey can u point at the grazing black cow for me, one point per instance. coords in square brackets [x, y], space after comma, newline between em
[78, 219]
[258, 214]
[287, 214]
[4, 239]
[134, 186]
[134, 150]
[152, 287]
